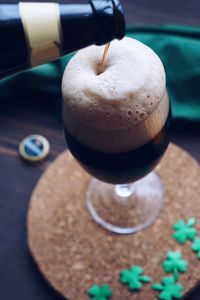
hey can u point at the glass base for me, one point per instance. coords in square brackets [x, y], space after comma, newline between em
[125, 209]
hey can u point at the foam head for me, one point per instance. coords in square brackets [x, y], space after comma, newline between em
[121, 108]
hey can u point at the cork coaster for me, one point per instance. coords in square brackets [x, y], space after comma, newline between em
[73, 252]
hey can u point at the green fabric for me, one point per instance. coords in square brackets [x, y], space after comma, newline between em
[177, 46]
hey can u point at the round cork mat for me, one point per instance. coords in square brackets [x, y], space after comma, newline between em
[73, 252]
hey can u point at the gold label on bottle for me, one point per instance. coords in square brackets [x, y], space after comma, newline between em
[42, 27]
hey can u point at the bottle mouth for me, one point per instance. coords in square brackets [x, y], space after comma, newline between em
[109, 20]
[119, 19]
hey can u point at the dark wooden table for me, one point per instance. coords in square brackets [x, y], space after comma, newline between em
[19, 278]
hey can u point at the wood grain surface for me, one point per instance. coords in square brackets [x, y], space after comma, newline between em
[19, 278]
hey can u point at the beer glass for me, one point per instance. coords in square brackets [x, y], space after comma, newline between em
[126, 195]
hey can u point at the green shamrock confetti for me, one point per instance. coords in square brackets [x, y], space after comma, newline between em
[134, 278]
[97, 292]
[184, 231]
[169, 289]
[175, 264]
[196, 246]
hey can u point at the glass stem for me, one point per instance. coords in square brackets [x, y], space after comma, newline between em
[123, 191]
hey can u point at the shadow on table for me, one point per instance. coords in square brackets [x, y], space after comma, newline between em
[194, 295]
[42, 281]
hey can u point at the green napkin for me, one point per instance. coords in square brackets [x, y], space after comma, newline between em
[177, 46]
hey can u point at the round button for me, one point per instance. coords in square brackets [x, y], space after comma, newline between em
[34, 148]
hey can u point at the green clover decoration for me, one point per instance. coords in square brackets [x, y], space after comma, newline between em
[97, 292]
[196, 246]
[184, 231]
[169, 289]
[175, 264]
[134, 278]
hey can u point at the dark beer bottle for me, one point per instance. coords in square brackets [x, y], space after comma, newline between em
[35, 33]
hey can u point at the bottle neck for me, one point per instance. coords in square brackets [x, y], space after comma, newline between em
[77, 25]
[109, 19]
[39, 32]
[54, 29]
[97, 22]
